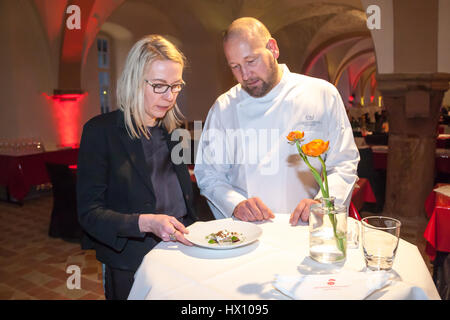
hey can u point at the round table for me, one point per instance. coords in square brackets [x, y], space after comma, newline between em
[175, 271]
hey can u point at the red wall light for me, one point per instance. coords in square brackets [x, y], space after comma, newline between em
[66, 112]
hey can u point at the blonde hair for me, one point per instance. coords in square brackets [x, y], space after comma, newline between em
[130, 87]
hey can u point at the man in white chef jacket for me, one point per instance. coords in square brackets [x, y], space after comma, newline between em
[244, 166]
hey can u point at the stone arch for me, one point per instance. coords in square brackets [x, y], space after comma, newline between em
[346, 63]
[326, 46]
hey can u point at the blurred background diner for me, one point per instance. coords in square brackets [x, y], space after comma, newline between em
[60, 60]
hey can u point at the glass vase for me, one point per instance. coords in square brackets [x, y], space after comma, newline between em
[328, 231]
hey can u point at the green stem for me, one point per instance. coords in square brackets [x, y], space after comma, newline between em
[324, 174]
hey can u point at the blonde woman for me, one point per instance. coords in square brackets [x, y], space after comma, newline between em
[130, 194]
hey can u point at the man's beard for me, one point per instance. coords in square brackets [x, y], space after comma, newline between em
[266, 86]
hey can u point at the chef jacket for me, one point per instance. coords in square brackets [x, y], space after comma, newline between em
[243, 151]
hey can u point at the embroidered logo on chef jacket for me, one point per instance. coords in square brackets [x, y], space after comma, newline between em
[309, 122]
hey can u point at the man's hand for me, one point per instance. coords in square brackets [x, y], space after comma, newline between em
[301, 211]
[253, 209]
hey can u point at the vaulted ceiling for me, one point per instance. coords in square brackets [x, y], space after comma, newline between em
[306, 30]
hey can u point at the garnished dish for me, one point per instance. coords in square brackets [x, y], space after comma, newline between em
[224, 237]
[223, 234]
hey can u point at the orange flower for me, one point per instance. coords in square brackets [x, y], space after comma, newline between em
[295, 135]
[315, 148]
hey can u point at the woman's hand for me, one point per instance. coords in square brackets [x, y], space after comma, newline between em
[166, 227]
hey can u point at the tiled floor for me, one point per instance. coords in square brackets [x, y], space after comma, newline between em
[33, 265]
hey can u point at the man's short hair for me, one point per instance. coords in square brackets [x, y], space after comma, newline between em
[247, 27]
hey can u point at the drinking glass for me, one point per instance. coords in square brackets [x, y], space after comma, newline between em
[380, 237]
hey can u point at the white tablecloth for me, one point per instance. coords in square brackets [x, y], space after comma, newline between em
[175, 271]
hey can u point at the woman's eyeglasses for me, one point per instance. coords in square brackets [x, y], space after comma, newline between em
[161, 88]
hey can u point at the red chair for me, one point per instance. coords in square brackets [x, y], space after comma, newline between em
[353, 212]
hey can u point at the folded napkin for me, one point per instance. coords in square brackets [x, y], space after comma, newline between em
[345, 285]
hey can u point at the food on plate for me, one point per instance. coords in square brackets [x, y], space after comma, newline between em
[224, 237]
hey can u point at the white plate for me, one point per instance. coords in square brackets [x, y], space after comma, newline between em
[199, 231]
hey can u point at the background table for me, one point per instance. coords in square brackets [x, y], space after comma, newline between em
[380, 158]
[175, 271]
[19, 173]
[362, 193]
[437, 232]
[443, 141]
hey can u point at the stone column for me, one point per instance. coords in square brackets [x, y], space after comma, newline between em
[413, 102]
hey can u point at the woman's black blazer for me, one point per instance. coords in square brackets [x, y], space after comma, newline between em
[113, 187]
